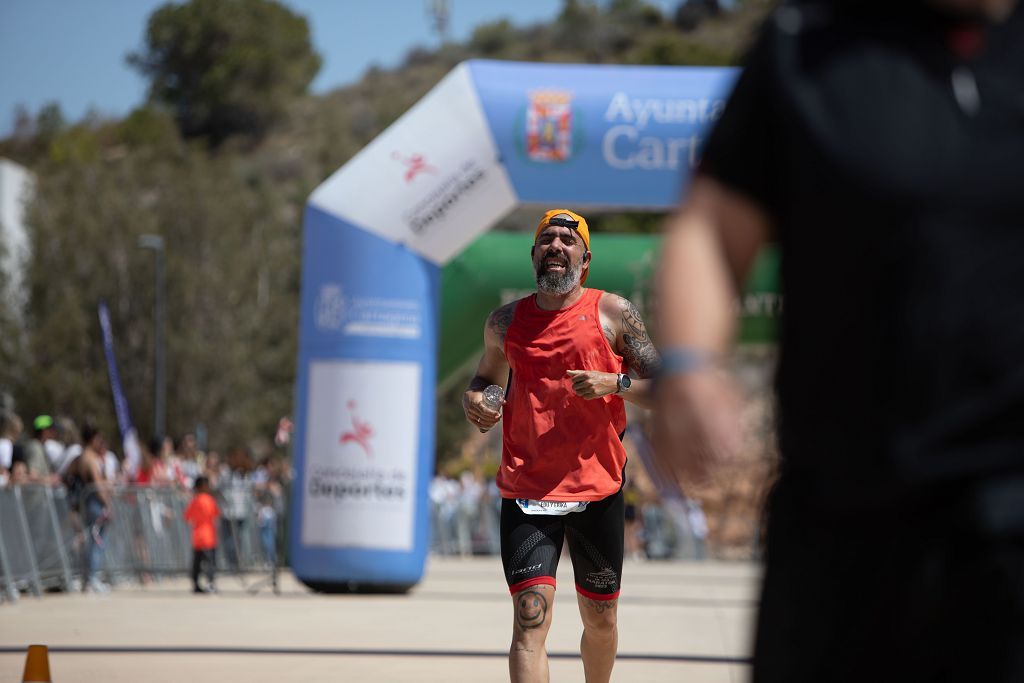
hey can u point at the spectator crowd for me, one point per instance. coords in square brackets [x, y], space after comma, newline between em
[250, 495]
[55, 452]
[46, 454]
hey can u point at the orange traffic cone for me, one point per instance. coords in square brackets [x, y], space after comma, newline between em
[37, 665]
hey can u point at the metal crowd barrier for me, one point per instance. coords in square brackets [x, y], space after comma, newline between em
[44, 541]
[465, 527]
[460, 527]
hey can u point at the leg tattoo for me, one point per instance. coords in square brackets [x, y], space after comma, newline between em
[531, 609]
[600, 605]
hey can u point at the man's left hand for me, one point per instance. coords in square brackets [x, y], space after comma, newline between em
[590, 384]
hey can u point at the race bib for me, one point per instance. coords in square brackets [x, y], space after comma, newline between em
[550, 507]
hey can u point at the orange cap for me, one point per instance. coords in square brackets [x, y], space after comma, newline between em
[582, 229]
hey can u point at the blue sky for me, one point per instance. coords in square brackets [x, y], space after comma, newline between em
[73, 52]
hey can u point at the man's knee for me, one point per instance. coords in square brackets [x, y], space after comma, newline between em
[532, 612]
[600, 617]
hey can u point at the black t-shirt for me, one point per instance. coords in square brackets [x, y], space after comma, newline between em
[888, 148]
[18, 454]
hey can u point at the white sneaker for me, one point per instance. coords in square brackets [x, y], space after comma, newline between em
[97, 586]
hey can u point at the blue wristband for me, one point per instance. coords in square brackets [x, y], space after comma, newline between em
[681, 360]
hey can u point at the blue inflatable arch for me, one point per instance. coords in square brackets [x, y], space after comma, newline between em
[489, 137]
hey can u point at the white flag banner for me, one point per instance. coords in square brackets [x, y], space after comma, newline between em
[431, 181]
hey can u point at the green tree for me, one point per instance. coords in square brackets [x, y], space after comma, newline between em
[227, 66]
[12, 342]
[232, 282]
[148, 127]
[492, 39]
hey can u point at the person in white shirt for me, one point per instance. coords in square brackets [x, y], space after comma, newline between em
[54, 451]
[10, 430]
[111, 466]
[71, 449]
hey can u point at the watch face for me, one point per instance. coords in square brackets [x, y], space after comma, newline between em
[624, 382]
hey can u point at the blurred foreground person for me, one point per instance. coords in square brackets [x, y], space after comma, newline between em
[567, 350]
[882, 146]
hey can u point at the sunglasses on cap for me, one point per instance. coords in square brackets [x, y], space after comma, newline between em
[564, 223]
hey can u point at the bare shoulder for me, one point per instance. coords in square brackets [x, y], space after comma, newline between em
[500, 319]
[611, 316]
[612, 304]
[620, 309]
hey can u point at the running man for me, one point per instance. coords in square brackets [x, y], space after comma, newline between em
[569, 349]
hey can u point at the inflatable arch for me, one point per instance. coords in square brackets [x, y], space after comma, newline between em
[489, 137]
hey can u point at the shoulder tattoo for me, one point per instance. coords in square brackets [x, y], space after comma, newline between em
[501, 318]
[639, 351]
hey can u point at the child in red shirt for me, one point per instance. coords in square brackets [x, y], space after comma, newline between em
[202, 513]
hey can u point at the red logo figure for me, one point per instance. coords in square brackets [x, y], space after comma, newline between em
[415, 164]
[361, 431]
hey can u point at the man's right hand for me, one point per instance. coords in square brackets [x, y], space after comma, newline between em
[477, 412]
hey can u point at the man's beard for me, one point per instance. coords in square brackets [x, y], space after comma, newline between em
[558, 283]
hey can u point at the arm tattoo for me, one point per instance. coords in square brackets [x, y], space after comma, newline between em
[498, 323]
[639, 353]
[531, 609]
[501, 318]
[631, 320]
[609, 335]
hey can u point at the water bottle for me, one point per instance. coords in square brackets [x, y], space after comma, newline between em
[493, 396]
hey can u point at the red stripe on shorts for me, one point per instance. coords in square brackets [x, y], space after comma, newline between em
[523, 585]
[596, 596]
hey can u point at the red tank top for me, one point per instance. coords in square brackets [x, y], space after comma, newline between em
[555, 444]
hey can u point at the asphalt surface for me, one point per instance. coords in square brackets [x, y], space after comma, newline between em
[678, 621]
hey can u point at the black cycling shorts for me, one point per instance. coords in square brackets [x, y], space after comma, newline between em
[532, 544]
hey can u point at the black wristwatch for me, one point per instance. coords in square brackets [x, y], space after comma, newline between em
[624, 383]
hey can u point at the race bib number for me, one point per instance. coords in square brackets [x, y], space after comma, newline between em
[550, 507]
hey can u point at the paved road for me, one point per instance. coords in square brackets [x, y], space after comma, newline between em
[677, 621]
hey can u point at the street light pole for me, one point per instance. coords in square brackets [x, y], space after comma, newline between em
[156, 243]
